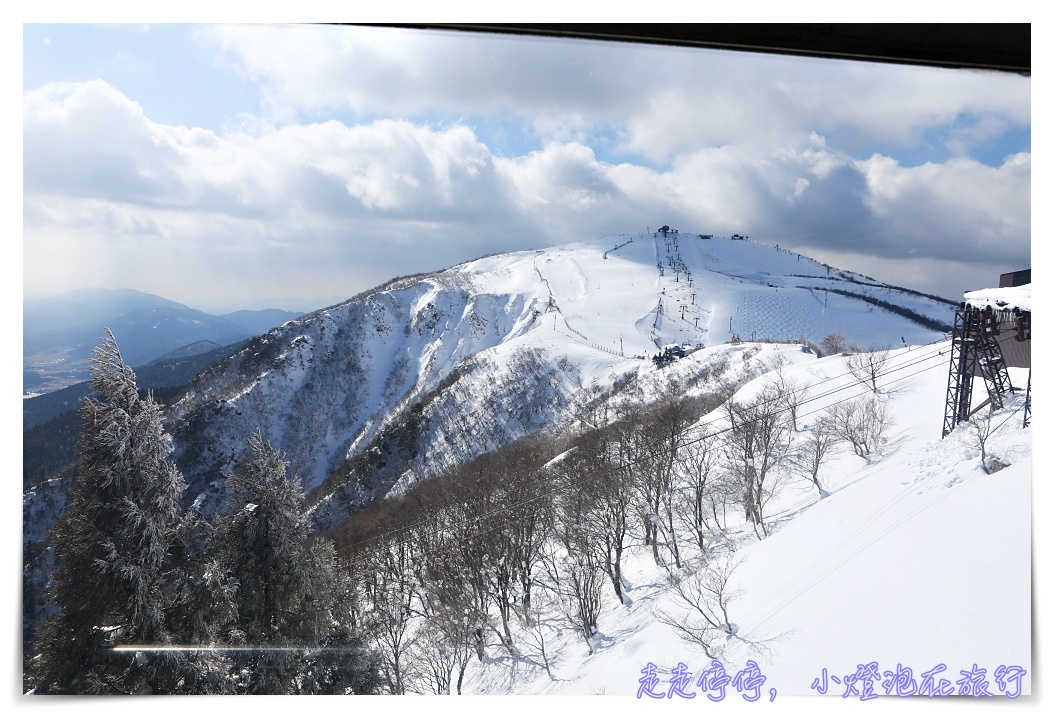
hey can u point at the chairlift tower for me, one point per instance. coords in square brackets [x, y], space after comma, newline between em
[976, 351]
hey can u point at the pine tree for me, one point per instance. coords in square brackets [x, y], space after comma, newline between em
[112, 546]
[289, 596]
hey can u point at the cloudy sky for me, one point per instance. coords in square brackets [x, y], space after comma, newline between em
[237, 166]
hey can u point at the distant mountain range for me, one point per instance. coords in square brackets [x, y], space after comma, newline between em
[169, 372]
[59, 332]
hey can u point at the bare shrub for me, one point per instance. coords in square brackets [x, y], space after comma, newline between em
[833, 344]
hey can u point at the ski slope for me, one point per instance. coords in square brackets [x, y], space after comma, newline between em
[633, 294]
[916, 558]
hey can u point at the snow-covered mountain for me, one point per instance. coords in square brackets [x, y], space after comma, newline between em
[426, 372]
[915, 559]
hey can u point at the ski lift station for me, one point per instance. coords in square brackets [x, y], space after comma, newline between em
[992, 331]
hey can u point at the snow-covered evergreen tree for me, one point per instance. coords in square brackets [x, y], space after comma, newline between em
[112, 547]
[292, 603]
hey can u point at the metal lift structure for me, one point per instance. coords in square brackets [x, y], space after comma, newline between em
[985, 341]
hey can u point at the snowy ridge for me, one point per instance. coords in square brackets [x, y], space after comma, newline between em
[432, 355]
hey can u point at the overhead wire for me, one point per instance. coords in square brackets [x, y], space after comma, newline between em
[859, 530]
[507, 507]
[899, 496]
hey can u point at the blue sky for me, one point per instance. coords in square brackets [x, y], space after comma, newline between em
[176, 77]
[242, 166]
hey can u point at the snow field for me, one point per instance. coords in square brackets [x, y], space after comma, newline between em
[916, 558]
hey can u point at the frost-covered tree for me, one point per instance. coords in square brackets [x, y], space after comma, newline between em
[343, 664]
[113, 547]
[289, 599]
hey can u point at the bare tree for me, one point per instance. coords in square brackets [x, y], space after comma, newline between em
[704, 595]
[758, 429]
[862, 422]
[442, 647]
[699, 463]
[867, 367]
[980, 428]
[586, 581]
[391, 591]
[818, 441]
[660, 434]
[535, 636]
[791, 392]
[432, 662]
[526, 489]
[452, 605]
[466, 557]
[482, 551]
[595, 482]
[577, 581]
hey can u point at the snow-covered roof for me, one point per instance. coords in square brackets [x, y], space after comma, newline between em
[1001, 298]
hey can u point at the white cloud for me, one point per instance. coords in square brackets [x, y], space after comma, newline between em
[114, 198]
[961, 209]
[661, 102]
[398, 71]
